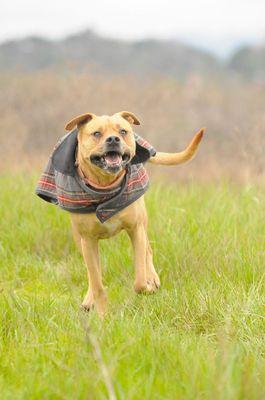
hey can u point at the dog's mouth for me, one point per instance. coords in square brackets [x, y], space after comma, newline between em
[112, 161]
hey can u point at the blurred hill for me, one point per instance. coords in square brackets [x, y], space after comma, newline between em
[249, 62]
[142, 58]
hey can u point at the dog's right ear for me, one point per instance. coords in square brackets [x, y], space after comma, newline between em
[78, 121]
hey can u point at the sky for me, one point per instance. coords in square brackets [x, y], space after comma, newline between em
[219, 26]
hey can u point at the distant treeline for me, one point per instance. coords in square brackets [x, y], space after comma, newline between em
[142, 58]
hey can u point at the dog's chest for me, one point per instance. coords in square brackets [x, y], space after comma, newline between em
[110, 228]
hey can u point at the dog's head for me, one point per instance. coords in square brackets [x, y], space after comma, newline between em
[105, 142]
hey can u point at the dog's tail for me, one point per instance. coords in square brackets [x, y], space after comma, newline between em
[178, 158]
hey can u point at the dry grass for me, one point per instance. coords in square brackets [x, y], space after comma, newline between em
[35, 107]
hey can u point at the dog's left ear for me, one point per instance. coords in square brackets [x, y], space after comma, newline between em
[78, 121]
[130, 117]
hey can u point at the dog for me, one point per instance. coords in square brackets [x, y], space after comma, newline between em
[107, 156]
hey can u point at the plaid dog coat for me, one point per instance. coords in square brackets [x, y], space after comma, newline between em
[61, 184]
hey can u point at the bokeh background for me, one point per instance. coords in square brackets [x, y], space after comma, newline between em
[177, 65]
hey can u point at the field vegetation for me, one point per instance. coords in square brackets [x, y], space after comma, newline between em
[200, 337]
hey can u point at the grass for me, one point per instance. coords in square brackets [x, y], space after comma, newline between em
[200, 337]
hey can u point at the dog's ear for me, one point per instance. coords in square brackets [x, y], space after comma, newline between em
[78, 121]
[130, 117]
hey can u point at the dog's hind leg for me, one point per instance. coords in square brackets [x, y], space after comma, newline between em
[139, 242]
[151, 274]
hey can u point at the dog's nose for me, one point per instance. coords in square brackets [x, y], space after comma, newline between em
[113, 139]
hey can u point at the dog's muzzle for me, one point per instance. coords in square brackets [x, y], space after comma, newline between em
[113, 158]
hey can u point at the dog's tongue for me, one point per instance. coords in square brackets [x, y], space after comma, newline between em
[113, 159]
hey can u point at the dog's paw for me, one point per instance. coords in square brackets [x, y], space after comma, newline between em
[143, 288]
[86, 306]
[99, 302]
[88, 302]
[154, 281]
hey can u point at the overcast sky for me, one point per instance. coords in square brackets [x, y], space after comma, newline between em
[216, 25]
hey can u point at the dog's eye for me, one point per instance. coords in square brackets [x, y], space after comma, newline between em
[96, 134]
[123, 132]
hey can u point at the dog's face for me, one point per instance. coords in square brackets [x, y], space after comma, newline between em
[106, 142]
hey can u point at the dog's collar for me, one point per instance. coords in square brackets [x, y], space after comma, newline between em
[64, 156]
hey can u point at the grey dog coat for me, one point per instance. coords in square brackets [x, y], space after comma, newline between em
[61, 184]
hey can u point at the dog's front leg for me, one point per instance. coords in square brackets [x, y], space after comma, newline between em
[96, 291]
[139, 242]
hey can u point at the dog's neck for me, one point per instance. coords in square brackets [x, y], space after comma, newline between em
[99, 180]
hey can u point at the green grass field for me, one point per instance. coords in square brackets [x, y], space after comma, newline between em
[200, 337]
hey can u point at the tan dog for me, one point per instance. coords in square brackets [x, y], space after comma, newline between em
[106, 145]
